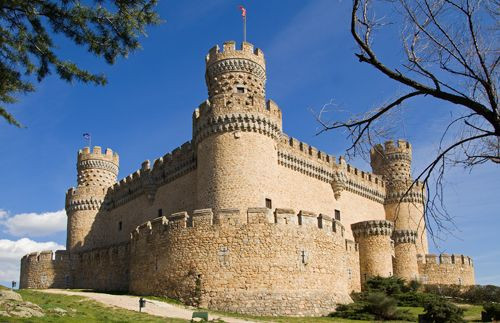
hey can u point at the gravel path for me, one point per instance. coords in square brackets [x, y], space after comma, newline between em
[156, 308]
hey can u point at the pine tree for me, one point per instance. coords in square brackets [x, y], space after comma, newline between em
[107, 29]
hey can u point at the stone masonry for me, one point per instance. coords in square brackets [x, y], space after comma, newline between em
[243, 217]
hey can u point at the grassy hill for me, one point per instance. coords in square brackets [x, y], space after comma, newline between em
[64, 308]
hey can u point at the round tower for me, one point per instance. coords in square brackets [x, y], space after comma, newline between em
[235, 131]
[96, 172]
[375, 250]
[405, 254]
[393, 161]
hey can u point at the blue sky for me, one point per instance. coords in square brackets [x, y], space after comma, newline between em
[145, 111]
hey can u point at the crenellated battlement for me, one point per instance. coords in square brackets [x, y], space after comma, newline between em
[393, 150]
[393, 160]
[46, 256]
[246, 51]
[97, 154]
[234, 217]
[147, 180]
[312, 162]
[445, 259]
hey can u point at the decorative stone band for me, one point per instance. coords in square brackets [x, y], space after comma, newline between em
[97, 163]
[233, 122]
[406, 156]
[236, 65]
[337, 179]
[80, 205]
[404, 236]
[414, 196]
[372, 228]
[364, 191]
[304, 166]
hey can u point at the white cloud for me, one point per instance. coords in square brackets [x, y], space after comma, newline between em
[33, 224]
[11, 253]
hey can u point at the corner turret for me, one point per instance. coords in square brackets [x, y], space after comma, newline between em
[97, 171]
[403, 207]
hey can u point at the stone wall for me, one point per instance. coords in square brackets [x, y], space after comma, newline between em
[42, 270]
[446, 270]
[103, 269]
[252, 262]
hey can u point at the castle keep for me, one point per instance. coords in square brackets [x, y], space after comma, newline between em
[243, 217]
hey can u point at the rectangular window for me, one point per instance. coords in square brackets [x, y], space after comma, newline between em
[269, 203]
[240, 89]
[337, 215]
[160, 212]
[120, 226]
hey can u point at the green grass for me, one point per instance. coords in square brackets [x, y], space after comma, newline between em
[165, 300]
[80, 309]
[472, 312]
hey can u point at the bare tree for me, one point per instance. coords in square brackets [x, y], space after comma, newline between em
[451, 54]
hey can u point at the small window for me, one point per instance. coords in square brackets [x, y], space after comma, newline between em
[337, 215]
[160, 212]
[269, 204]
[120, 226]
[240, 89]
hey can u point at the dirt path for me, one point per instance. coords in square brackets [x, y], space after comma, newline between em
[156, 308]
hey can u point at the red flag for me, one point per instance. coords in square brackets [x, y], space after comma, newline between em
[243, 11]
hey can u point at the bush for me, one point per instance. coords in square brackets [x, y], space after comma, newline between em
[442, 311]
[373, 306]
[416, 299]
[492, 311]
[414, 286]
[385, 307]
[453, 291]
[353, 311]
[474, 294]
[482, 294]
[389, 286]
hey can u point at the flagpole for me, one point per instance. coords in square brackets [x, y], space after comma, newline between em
[245, 28]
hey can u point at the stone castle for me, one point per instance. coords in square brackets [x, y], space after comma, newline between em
[243, 217]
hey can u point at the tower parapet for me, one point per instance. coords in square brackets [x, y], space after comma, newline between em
[236, 70]
[97, 168]
[393, 160]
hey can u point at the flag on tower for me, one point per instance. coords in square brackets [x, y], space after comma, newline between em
[244, 15]
[88, 137]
